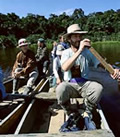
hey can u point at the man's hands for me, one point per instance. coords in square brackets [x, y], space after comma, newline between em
[116, 74]
[84, 43]
[16, 75]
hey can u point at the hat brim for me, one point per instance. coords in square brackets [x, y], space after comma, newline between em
[23, 44]
[76, 32]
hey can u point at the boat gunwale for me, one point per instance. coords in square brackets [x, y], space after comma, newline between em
[11, 114]
[29, 108]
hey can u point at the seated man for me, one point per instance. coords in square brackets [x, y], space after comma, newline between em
[2, 88]
[24, 66]
[42, 57]
[75, 62]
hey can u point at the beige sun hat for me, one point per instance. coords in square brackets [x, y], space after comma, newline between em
[22, 42]
[74, 29]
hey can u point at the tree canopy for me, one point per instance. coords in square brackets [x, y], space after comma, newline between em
[100, 25]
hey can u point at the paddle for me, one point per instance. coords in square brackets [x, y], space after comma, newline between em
[108, 67]
[8, 79]
[37, 88]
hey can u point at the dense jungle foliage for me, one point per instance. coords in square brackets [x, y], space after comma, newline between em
[101, 26]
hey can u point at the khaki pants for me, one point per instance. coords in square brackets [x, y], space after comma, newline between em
[90, 91]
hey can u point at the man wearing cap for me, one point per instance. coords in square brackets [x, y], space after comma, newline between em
[75, 63]
[42, 57]
[24, 66]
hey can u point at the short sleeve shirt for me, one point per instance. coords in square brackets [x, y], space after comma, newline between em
[86, 59]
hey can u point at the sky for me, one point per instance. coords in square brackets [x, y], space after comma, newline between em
[57, 7]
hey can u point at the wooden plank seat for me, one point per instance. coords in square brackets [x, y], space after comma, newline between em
[56, 121]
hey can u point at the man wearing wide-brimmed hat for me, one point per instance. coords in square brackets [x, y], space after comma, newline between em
[24, 66]
[75, 63]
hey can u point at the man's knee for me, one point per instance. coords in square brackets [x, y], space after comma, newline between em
[18, 69]
[97, 92]
[61, 87]
[98, 88]
[61, 92]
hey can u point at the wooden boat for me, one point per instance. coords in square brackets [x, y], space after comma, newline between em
[13, 107]
[11, 110]
[44, 115]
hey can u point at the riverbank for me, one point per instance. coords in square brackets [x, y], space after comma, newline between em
[106, 42]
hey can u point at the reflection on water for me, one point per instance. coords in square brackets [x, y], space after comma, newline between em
[7, 57]
[110, 52]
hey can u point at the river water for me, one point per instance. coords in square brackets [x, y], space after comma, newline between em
[110, 52]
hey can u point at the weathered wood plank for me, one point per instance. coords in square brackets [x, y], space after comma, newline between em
[6, 123]
[93, 133]
[57, 119]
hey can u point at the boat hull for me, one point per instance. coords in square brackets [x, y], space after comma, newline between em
[44, 115]
[11, 112]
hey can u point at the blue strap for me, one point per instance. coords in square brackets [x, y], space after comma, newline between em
[78, 80]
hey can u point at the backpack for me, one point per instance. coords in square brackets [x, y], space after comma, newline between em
[71, 125]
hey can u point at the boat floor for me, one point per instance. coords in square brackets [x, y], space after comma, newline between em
[46, 116]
